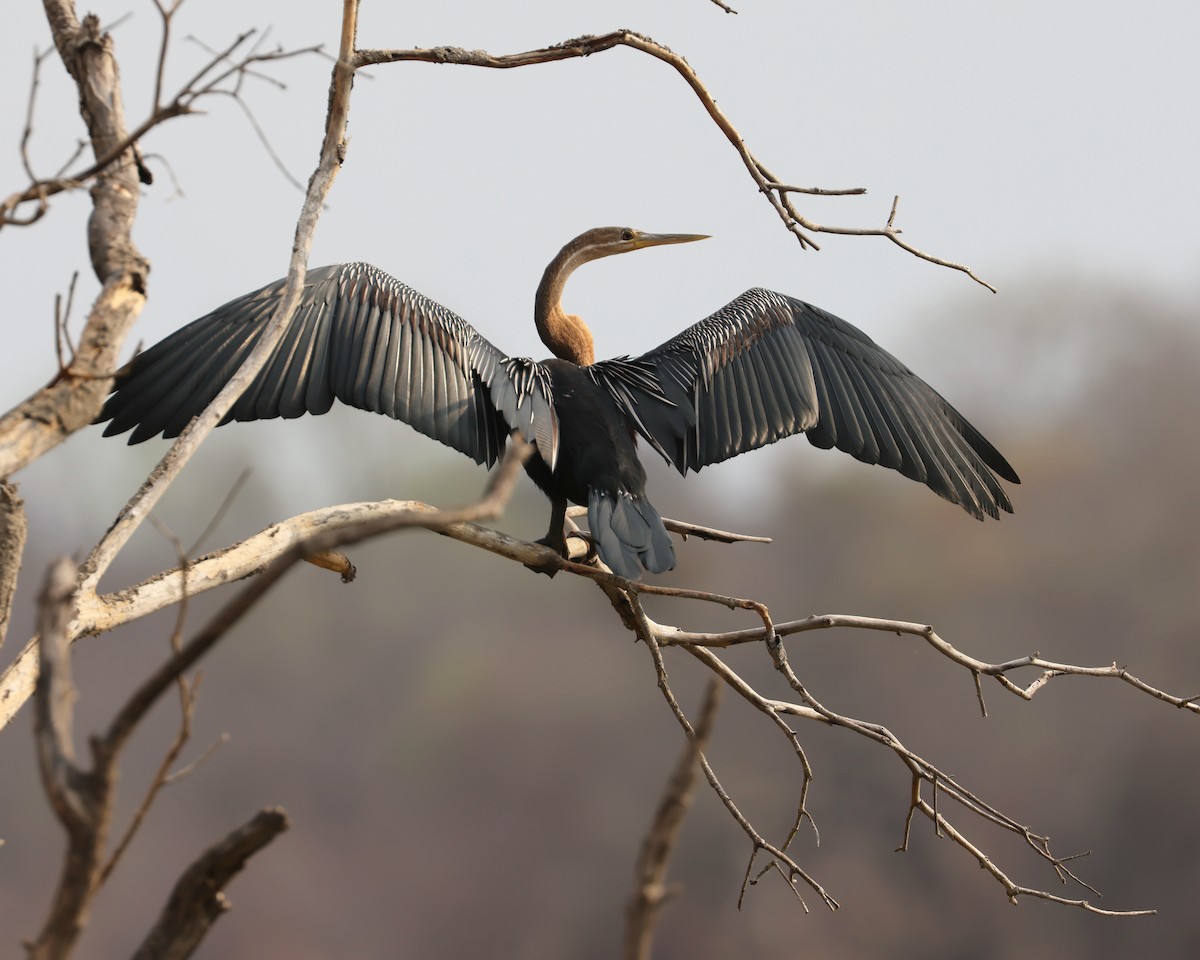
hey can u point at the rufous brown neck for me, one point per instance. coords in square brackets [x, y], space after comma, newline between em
[567, 336]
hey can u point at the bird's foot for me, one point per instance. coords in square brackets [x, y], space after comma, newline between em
[592, 553]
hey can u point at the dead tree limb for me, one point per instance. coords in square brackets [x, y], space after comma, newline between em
[332, 154]
[79, 797]
[83, 798]
[778, 194]
[223, 75]
[13, 529]
[69, 403]
[198, 899]
[75, 394]
[650, 891]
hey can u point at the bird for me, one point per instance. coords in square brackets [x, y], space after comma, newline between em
[763, 367]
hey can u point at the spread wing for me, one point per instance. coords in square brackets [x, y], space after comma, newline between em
[767, 366]
[359, 336]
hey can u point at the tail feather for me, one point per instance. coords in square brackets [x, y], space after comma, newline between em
[629, 533]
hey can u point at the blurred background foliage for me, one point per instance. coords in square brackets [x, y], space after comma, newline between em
[470, 753]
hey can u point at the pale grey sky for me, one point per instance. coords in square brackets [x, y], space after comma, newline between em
[1056, 135]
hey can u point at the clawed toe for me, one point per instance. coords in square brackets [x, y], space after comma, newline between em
[587, 538]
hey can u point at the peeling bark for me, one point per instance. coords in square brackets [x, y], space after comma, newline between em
[72, 400]
[13, 528]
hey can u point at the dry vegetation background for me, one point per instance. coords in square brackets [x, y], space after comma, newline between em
[470, 753]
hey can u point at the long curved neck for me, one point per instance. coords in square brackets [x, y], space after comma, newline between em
[566, 335]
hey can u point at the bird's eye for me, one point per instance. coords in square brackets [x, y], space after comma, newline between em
[626, 234]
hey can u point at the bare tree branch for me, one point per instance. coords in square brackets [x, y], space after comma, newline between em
[776, 192]
[26, 135]
[207, 82]
[920, 770]
[78, 798]
[253, 555]
[53, 413]
[626, 596]
[13, 530]
[490, 505]
[650, 891]
[187, 708]
[1050, 669]
[55, 692]
[83, 798]
[333, 151]
[74, 397]
[198, 899]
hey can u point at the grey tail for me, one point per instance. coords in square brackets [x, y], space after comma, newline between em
[629, 533]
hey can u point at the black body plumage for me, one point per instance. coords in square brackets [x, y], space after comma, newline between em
[764, 367]
[597, 466]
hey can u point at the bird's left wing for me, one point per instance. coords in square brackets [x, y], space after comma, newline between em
[767, 366]
[359, 336]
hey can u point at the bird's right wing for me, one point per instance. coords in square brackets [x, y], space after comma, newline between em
[359, 336]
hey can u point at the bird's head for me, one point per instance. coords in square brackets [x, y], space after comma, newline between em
[608, 241]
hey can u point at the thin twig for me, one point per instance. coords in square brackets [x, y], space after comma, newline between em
[189, 768]
[220, 513]
[685, 530]
[162, 775]
[62, 317]
[27, 135]
[166, 14]
[265, 140]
